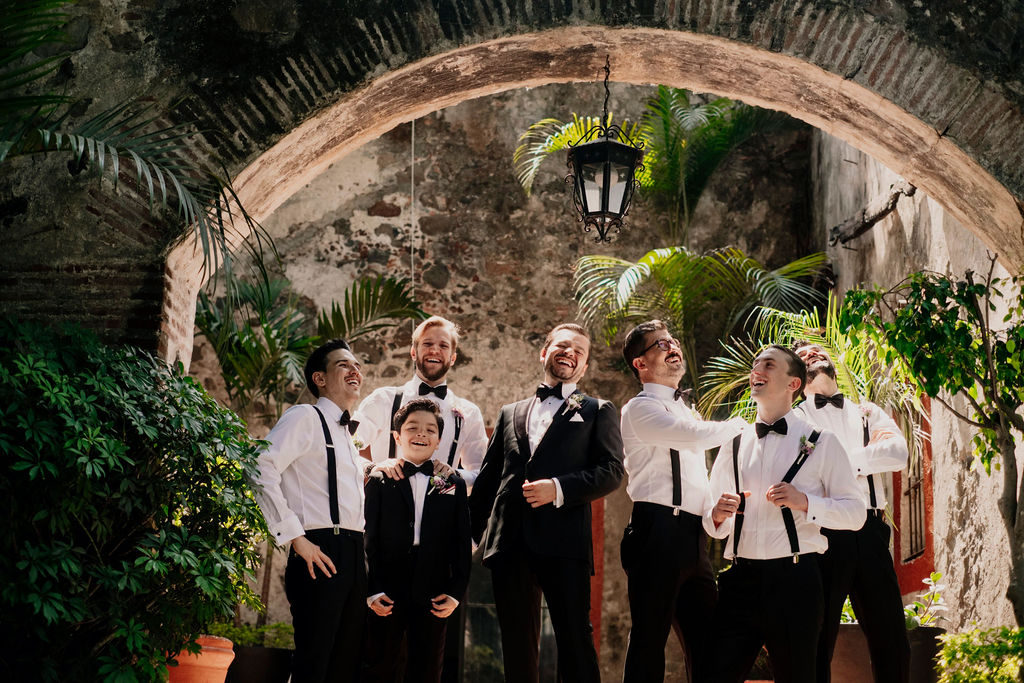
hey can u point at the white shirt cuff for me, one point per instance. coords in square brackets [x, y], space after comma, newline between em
[559, 497]
[287, 530]
[468, 476]
[373, 598]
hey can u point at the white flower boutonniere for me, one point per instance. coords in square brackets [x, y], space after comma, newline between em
[441, 485]
[806, 447]
[865, 410]
[573, 403]
[358, 443]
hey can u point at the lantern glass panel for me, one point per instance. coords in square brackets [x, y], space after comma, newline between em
[593, 185]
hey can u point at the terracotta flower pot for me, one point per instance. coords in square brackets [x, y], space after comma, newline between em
[209, 666]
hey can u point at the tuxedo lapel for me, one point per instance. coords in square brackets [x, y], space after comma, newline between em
[519, 417]
[563, 414]
[405, 486]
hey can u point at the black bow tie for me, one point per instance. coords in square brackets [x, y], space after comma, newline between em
[544, 391]
[347, 421]
[820, 400]
[779, 426]
[440, 390]
[426, 468]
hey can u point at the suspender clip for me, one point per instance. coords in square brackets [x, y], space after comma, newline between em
[675, 512]
[337, 529]
[796, 558]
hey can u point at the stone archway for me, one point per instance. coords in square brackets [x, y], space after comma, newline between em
[841, 107]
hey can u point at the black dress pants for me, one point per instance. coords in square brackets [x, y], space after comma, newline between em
[670, 583]
[774, 603]
[328, 613]
[519, 581]
[858, 564]
[424, 635]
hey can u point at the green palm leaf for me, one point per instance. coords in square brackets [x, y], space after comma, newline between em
[547, 136]
[369, 305]
[201, 194]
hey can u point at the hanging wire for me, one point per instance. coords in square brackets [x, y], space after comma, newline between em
[412, 211]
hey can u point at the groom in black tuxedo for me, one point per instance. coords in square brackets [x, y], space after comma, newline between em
[550, 455]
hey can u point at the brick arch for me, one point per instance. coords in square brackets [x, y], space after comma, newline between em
[907, 124]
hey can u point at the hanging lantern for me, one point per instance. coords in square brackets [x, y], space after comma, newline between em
[602, 167]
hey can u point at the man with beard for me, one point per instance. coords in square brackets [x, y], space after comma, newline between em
[664, 548]
[858, 562]
[463, 438]
[550, 455]
[776, 485]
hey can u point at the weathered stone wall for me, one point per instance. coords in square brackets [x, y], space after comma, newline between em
[500, 263]
[250, 73]
[970, 543]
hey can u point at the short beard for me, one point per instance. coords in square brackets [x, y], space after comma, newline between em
[821, 367]
[430, 373]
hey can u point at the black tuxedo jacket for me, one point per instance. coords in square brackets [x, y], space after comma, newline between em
[585, 456]
[442, 563]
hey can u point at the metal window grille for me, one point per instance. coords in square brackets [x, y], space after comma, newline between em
[913, 514]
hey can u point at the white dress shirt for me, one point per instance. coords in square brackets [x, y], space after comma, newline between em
[833, 496]
[653, 422]
[292, 487]
[887, 455]
[374, 416]
[540, 417]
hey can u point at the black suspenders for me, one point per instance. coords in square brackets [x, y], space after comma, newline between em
[787, 514]
[871, 477]
[332, 472]
[394, 409]
[396, 404]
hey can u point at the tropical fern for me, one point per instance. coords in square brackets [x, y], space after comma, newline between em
[685, 288]
[860, 370]
[547, 136]
[684, 144]
[128, 134]
[369, 305]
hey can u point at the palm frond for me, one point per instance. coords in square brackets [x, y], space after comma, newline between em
[725, 381]
[369, 305]
[547, 136]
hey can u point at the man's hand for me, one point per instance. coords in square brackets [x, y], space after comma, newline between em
[392, 468]
[881, 435]
[313, 556]
[443, 469]
[787, 495]
[382, 606]
[540, 492]
[443, 605]
[726, 507]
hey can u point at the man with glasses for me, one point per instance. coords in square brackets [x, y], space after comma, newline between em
[664, 548]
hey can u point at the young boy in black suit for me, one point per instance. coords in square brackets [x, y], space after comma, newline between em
[418, 550]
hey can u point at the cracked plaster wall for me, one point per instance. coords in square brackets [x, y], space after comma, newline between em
[970, 541]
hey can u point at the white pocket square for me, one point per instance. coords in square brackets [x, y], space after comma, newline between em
[576, 417]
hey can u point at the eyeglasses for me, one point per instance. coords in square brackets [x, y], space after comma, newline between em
[663, 344]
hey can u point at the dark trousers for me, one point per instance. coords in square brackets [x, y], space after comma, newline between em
[670, 583]
[519, 581]
[858, 564]
[328, 613]
[424, 635]
[774, 603]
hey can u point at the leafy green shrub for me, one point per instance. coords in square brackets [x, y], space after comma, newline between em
[924, 611]
[994, 656]
[279, 634]
[129, 525]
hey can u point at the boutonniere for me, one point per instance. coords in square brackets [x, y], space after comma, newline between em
[457, 414]
[865, 410]
[358, 443]
[574, 402]
[440, 485]
[806, 447]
